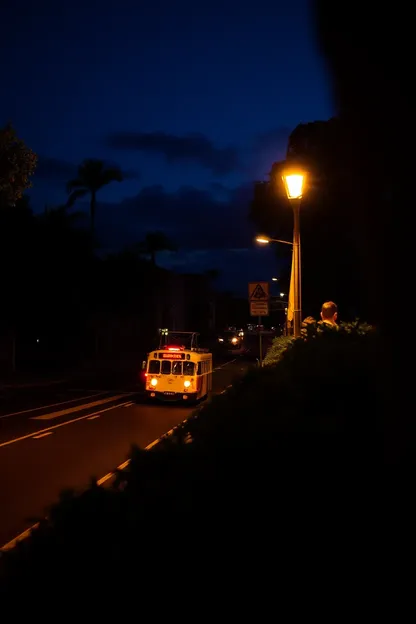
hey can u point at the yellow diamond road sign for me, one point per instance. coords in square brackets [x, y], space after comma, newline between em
[258, 291]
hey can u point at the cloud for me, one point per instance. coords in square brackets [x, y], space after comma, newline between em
[195, 148]
[208, 232]
[275, 139]
[54, 170]
[193, 218]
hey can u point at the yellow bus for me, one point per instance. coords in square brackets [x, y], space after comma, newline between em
[178, 370]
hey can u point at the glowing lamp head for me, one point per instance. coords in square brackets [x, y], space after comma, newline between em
[294, 184]
[263, 240]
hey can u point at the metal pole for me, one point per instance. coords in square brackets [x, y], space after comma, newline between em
[297, 312]
[260, 344]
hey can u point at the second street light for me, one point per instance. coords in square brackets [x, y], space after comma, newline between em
[294, 185]
[265, 240]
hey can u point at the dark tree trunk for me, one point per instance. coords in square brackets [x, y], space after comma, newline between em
[93, 205]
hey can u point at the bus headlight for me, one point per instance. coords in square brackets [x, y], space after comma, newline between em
[154, 382]
[187, 383]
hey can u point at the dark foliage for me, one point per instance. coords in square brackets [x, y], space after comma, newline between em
[17, 164]
[330, 228]
[280, 440]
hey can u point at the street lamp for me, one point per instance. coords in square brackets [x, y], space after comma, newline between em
[265, 240]
[275, 279]
[294, 185]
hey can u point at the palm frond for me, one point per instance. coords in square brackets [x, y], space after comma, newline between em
[112, 174]
[74, 184]
[77, 194]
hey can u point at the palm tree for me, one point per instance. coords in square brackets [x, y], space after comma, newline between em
[92, 176]
[155, 242]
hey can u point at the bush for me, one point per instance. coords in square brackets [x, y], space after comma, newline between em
[278, 347]
[278, 434]
[282, 343]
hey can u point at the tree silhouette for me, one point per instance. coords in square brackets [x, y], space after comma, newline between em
[17, 165]
[155, 242]
[329, 224]
[93, 175]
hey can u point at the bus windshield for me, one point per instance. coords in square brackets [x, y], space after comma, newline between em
[176, 368]
[188, 368]
[154, 367]
[165, 367]
[171, 368]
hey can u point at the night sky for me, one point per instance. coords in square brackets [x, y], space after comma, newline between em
[193, 100]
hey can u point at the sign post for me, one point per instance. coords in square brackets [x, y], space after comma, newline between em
[258, 296]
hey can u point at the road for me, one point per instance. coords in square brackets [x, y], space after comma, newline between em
[61, 437]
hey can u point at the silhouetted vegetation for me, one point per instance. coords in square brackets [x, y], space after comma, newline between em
[330, 228]
[17, 164]
[281, 344]
[93, 175]
[66, 303]
[226, 467]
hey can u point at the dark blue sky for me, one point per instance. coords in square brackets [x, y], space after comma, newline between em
[193, 100]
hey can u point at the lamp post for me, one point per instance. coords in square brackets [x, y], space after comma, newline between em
[294, 184]
[265, 240]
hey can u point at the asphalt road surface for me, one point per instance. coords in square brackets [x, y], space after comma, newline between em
[61, 437]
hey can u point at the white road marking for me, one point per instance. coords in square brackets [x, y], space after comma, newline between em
[42, 435]
[42, 407]
[105, 478]
[67, 422]
[94, 417]
[129, 404]
[123, 465]
[225, 389]
[78, 408]
[19, 538]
